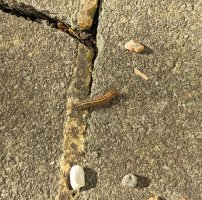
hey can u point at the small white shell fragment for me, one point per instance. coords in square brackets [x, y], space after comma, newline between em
[139, 73]
[77, 177]
[134, 45]
[129, 180]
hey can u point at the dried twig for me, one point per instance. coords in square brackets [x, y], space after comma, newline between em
[139, 73]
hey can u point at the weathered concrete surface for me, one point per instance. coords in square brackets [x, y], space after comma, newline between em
[36, 66]
[154, 128]
[65, 10]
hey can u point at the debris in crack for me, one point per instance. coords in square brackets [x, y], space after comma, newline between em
[68, 29]
[84, 37]
[86, 14]
[93, 31]
[30, 13]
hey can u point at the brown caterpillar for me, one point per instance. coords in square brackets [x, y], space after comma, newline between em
[98, 101]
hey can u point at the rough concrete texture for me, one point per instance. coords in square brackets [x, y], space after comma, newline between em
[36, 66]
[65, 10]
[153, 129]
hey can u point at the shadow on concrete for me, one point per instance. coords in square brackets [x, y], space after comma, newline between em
[90, 179]
[142, 181]
[146, 50]
[162, 198]
[68, 182]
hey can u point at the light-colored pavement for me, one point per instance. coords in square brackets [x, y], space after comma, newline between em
[153, 129]
[36, 66]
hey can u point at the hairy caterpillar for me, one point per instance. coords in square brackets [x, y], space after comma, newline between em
[98, 101]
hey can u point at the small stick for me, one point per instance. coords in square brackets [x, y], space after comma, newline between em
[139, 73]
[67, 29]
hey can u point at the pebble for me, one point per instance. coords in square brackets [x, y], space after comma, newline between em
[129, 180]
[77, 177]
[134, 46]
[86, 14]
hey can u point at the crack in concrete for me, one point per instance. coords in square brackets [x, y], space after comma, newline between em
[87, 54]
[94, 30]
[28, 12]
[77, 121]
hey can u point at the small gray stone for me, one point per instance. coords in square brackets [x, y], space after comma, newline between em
[129, 180]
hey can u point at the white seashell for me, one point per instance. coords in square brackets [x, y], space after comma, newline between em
[129, 180]
[134, 45]
[77, 177]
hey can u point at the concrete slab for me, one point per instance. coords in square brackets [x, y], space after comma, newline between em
[36, 66]
[153, 129]
[64, 10]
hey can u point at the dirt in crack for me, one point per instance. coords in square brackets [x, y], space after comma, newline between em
[28, 12]
[93, 31]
